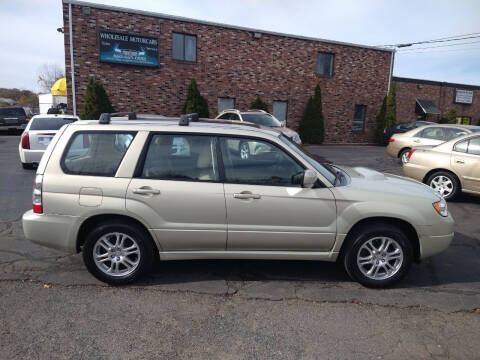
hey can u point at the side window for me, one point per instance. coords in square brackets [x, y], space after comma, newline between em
[95, 153]
[435, 133]
[257, 162]
[461, 146]
[325, 64]
[359, 118]
[225, 116]
[184, 47]
[474, 146]
[454, 133]
[234, 117]
[181, 157]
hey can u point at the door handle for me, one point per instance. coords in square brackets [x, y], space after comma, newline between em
[416, 140]
[460, 161]
[146, 190]
[246, 195]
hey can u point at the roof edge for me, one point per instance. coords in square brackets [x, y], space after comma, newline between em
[433, 82]
[211, 23]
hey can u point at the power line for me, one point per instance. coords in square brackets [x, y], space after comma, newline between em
[438, 46]
[434, 51]
[444, 39]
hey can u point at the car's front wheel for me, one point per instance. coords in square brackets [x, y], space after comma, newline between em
[378, 255]
[118, 253]
[445, 184]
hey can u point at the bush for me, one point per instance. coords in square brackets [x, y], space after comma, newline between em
[258, 104]
[96, 101]
[195, 102]
[388, 113]
[443, 121]
[452, 116]
[311, 127]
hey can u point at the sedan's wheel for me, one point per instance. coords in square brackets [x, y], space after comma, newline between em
[445, 184]
[244, 151]
[404, 156]
[117, 253]
[378, 255]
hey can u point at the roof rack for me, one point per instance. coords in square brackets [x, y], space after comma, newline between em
[186, 118]
[105, 118]
[257, 110]
[236, 110]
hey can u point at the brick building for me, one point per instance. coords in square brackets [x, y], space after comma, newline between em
[431, 100]
[232, 65]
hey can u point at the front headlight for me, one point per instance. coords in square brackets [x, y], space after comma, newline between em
[296, 138]
[441, 207]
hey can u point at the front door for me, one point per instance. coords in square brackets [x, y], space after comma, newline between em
[465, 161]
[431, 135]
[179, 194]
[267, 209]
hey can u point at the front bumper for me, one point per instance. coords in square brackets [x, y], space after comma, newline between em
[54, 231]
[436, 238]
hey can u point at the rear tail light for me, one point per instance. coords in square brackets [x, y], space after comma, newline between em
[410, 154]
[37, 195]
[391, 140]
[25, 140]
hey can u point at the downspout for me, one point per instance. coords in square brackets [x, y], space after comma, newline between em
[391, 70]
[72, 65]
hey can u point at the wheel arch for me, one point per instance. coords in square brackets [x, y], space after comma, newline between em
[89, 223]
[403, 225]
[402, 149]
[431, 172]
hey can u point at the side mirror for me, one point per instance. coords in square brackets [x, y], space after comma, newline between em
[309, 178]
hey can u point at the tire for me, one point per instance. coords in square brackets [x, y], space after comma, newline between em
[244, 150]
[445, 183]
[359, 249]
[403, 156]
[136, 251]
[27, 166]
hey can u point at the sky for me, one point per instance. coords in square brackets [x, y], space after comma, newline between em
[28, 36]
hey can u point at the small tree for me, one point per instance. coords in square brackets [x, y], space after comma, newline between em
[452, 116]
[258, 104]
[312, 123]
[195, 102]
[96, 101]
[388, 113]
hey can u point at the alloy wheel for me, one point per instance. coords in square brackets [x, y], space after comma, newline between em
[442, 185]
[380, 258]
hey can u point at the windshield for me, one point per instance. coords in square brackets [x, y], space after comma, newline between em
[262, 119]
[54, 123]
[12, 112]
[329, 175]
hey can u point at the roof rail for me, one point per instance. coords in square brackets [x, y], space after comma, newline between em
[257, 110]
[236, 110]
[105, 118]
[186, 118]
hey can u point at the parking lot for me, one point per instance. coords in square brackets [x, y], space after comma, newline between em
[50, 304]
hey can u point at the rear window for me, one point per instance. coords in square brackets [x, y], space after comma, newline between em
[12, 112]
[96, 153]
[50, 123]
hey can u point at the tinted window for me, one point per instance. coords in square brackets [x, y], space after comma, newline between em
[262, 119]
[225, 116]
[96, 153]
[225, 103]
[49, 123]
[474, 146]
[359, 117]
[434, 133]
[234, 117]
[454, 133]
[181, 157]
[184, 47]
[461, 146]
[325, 64]
[12, 112]
[249, 161]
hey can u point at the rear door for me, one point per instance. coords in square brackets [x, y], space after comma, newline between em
[465, 161]
[42, 130]
[177, 190]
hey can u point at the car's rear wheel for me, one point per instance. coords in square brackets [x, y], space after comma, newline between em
[378, 255]
[118, 253]
[445, 184]
[403, 156]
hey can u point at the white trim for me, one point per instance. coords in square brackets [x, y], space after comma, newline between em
[227, 26]
[72, 65]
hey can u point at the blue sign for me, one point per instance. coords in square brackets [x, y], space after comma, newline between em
[128, 48]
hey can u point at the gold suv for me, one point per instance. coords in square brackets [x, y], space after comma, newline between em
[399, 145]
[123, 191]
[449, 168]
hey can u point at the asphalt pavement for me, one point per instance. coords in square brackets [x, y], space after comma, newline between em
[50, 307]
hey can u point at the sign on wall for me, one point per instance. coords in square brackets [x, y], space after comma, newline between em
[463, 96]
[128, 48]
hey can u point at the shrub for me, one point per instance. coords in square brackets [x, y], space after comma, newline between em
[258, 104]
[388, 113]
[311, 127]
[195, 102]
[452, 116]
[96, 101]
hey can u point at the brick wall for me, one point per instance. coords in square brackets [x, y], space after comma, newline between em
[230, 63]
[442, 94]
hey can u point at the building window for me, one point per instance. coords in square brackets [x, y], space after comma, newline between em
[359, 118]
[184, 47]
[280, 110]
[325, 64]
[225, 103]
